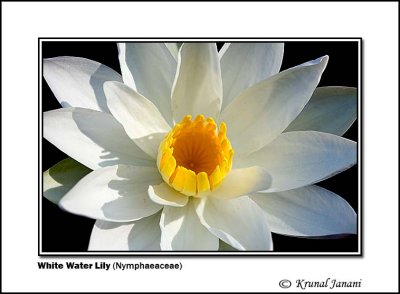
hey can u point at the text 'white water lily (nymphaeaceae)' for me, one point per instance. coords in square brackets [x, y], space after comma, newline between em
[191, 147]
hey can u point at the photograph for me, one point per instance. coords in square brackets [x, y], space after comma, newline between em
[200, 147]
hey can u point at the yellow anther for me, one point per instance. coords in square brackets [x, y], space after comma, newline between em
[216, 177]
[186, 119]
[203, 184]
[165, 156]
[178, 181]
[168, 168]
[222, 131]
[199, 119]
[189, 188]
[194, 158]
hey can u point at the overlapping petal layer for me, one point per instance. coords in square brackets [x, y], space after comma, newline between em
[140, 235]
[78, 82]
[238, 222]
[298, 159]
[182, 230]
[243, 181]
[245, 64]
[307, 211]
[270, 106]
[198, 87]
[116, 193]
[331, 110]
[163, 194]
[149, 68]
[91, 137]
[140, 118]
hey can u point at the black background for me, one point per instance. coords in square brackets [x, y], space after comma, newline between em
[65, 232]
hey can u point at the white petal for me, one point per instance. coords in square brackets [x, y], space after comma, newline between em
[238, 222]
[298, 159]
[182, 230]
[165, 195]
[174, 49]
[78, 82]
[197, 87]
[308, 211]
[245, 64]
[115, 193]
[243, 181]
[149, 68]
[60, 178]
[141, 119]
[330, 110]
[140, 235]
[259, 114]
[91, 137]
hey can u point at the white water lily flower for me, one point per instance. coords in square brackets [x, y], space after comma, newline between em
[195, 146]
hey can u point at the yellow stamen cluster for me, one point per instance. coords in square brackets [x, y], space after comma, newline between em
[193, 158]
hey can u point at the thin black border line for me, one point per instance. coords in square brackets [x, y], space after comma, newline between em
[40, 118]
[360, 114]
[145, 254]
[213, 39]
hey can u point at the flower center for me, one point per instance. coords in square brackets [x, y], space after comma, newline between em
[193, 158]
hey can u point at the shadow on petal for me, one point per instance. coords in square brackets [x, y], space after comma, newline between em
[131, 183]
[97, 85]
[150, 143]
[146, 235]
[108, 133]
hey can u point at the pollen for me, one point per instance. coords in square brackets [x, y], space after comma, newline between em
[194, 157]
